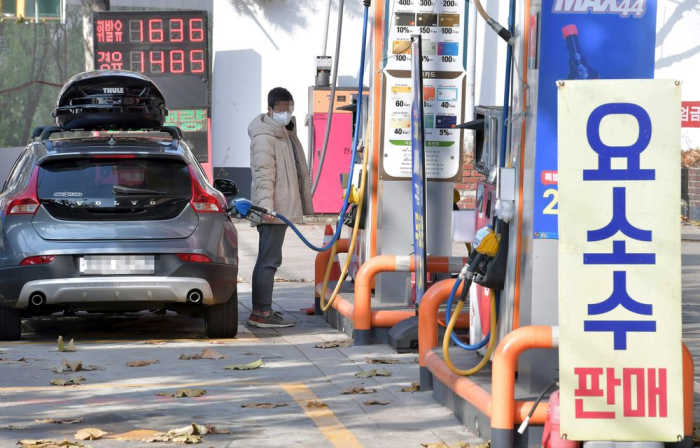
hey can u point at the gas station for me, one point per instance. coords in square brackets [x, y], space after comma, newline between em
[567, 326]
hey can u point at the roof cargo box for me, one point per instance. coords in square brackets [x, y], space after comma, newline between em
[110, 100]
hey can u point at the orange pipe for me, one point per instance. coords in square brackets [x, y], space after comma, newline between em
[504, 364]
[427, 316]
[377, 128]
[478, 397]
[519, 245]
[322, 259]
[688, 391]
[369, 270]
[386, 318]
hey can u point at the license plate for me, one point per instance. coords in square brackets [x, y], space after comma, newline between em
[117, 265]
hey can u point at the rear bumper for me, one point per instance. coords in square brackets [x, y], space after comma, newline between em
[62, 283]
[115, 289]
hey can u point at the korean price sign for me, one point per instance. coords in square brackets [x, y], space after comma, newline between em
[620, 355]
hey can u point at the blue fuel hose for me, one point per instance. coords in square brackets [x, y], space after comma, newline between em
[348, 189]
[453, 336]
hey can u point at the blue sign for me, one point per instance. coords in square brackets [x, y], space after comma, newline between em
[418, 169]
[593, 39]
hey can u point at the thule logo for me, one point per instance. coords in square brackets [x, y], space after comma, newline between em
[113, 89]
[622, 7]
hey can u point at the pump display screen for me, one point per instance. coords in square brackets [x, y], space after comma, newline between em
[171, 48]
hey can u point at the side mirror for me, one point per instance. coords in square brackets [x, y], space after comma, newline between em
[227, 187]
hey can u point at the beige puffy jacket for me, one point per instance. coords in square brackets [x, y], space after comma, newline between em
[275, 181]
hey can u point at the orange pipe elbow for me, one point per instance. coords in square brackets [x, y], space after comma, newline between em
[428, 316]
[504, 364]
[322, 259]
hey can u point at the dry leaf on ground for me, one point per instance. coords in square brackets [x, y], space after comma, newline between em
[133, 436]
[207, 353]
[186, 435]
[184, 393]
[73, 380]
[358, 390]
[70, 367]
[142, 363]
[217, 342]
[264, 405]
[334, 344]
[454, 445]
[414, 387]
[17, 428]
[377, 402]
[155, 342]
[44, 443]
[316, 404]
[373, 372]
[90, 434]
[63, 347]
[250, 366]
[10, 361]
[383, 361]
[64, 421]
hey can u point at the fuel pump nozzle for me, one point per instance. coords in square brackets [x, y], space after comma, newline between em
[485, 249]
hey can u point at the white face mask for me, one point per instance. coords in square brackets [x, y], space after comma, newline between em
[282, 118]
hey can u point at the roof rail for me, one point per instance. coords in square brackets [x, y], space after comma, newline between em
[36, 132]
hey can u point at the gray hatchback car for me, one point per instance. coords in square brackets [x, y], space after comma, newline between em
[115, 224]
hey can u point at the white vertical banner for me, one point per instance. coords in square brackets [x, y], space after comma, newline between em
[620, 354]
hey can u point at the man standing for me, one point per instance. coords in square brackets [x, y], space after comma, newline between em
[280, 183]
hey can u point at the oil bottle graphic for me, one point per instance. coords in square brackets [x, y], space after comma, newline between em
[578, 66]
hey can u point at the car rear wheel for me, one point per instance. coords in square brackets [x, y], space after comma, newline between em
[221, 320]
[10, 324]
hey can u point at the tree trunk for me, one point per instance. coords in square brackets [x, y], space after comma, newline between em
[89, 7]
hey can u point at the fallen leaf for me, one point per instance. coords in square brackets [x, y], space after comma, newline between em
[358, 390]
[90, 434]
[64, 421]
[184, 393]
[43, 443]
[142, 363]
[67, 366]
[10, 361]
[17, 428]
[250, 366]
[383, 361]
[73, 380]
[373, 372]
[218, 342]
[264, 405]
[377, 402]
[62, 347]
[414, 387]
[454, 445]
[135, 435]
[207, 353]
[334, 344]
[316, 404]
[155, 342]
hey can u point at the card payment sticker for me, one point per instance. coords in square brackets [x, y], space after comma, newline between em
[448, 48]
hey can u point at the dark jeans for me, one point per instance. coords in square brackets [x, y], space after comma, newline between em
[269, 259]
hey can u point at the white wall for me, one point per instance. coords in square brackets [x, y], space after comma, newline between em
[261, 44]
[678, 53]
[491, 56]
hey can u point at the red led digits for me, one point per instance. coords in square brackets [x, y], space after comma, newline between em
[176, 30]
[155, 30]
[177, 61]
[157, 62]
[197, 61]
[196, 30]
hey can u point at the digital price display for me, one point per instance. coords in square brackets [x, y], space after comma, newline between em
[171, 48]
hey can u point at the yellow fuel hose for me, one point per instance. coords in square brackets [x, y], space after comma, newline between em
[489, 349]
[351, 249]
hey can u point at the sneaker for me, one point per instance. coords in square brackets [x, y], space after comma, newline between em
[274, 320]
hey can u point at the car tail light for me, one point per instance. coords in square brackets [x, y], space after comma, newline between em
[202, 200]
[194, 258]
[27, 203]
[40, 259]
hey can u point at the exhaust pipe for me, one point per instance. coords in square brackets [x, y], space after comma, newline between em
[37, 299]
[194, 296]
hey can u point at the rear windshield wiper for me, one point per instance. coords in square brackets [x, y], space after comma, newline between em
[128, 190]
